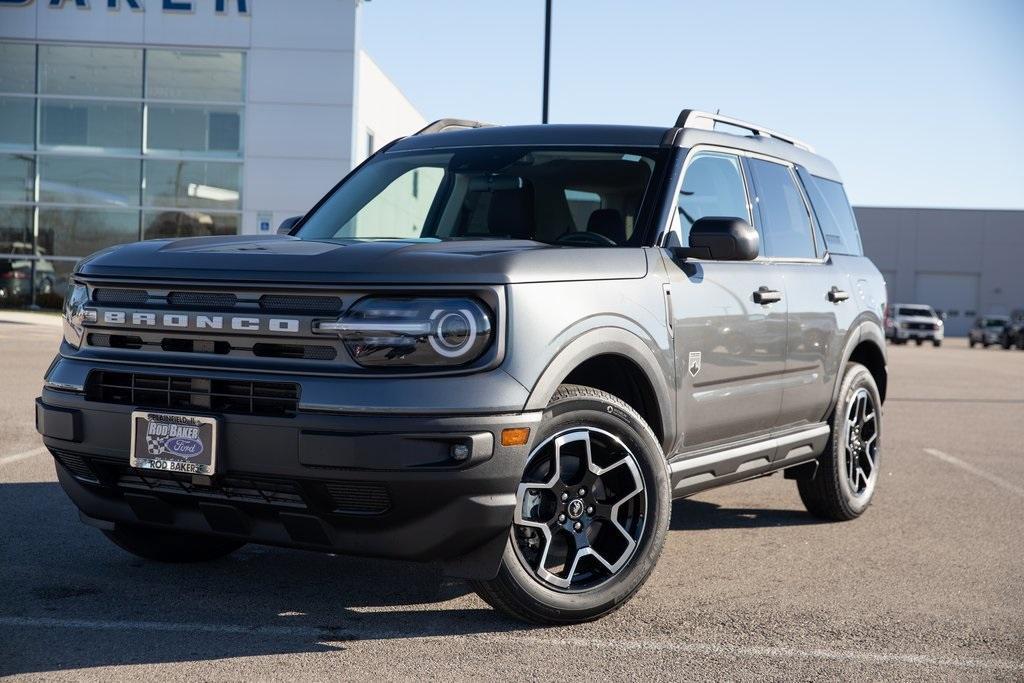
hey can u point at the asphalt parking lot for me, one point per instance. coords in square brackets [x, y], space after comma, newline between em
[928, 585]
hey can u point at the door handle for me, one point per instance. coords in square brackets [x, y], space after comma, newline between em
[765, 296]
[835, 295]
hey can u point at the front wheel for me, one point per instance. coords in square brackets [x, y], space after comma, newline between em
[592, 513]
[847, 473]
[972, 343]
[936, 342]
[166, 546]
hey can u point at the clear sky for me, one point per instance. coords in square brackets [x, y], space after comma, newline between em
[918, 103]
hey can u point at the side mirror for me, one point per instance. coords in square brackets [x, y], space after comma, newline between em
[721, 239]
[287, 224]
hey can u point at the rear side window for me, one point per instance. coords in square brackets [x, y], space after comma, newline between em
[785, 223]
[832, 209]
[713, 186]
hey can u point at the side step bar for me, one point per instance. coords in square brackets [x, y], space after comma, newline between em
[697, 473]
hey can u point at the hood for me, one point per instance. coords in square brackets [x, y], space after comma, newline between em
[286, 259]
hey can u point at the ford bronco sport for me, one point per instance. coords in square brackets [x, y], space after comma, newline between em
[504, 349]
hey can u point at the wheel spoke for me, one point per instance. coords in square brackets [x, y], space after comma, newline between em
[609, 504]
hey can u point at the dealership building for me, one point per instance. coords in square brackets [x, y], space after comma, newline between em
[129, 119]
[132, 119]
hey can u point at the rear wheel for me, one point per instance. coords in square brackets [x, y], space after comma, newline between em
[919, 341]
[591, 515]
[937, 342]
[972, 343]
[166, 546]
[847, 474]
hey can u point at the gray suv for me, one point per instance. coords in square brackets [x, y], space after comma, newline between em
[503, 349]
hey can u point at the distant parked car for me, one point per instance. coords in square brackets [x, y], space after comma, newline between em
[987, 330]
[1013, 332]
[16, 271]
[914, 321]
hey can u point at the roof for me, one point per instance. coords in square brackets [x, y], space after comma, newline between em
[454, 133]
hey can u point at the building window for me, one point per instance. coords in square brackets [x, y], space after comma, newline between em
[371, 147]
[105, 145]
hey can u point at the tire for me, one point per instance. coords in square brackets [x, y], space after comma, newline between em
[166, 546]
[830, 494]
[986, 344]
[919, 341]
[938, 342]
[519, 589]
[972, 343]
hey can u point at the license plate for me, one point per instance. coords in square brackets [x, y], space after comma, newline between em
[174, 443]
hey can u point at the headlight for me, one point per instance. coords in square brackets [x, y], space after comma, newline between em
[75, 314]
[404, 332]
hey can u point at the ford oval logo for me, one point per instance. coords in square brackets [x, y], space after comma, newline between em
[184, 447]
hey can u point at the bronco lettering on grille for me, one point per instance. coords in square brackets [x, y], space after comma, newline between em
[191, 321]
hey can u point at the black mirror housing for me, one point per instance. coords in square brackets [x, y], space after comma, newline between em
[721, 239]
[287, 224]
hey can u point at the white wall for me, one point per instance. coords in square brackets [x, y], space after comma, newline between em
[948, 258]
[299, 123]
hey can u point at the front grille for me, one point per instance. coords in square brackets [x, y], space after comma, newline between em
[120, 297]
[359, 497]
[274, 399]
[239, 489]
[922, 326]
[77, 465]
[342, 497]
[304, 351]
[304, 305]
[204, 300]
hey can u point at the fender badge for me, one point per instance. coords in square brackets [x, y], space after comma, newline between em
[694, 363]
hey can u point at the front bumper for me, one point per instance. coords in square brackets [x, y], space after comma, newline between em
[366, 484]
[900, 333]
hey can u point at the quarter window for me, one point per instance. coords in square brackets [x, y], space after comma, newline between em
[834, 214]
[785, 223]
[713, 186]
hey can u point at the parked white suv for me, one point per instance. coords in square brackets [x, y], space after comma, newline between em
[913, 321]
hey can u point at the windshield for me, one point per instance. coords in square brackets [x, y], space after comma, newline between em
[922, 311]
[579, 197]
[995, 322]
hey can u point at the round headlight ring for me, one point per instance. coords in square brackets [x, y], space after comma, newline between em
[442, 318]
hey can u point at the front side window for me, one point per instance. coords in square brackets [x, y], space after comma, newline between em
[573, 197]
[712, 186]
[785, 223]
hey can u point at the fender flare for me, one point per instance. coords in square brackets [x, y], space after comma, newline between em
[608, 341]
[864, 331]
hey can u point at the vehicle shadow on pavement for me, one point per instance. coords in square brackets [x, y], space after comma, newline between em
[692, 515]
[71, 599]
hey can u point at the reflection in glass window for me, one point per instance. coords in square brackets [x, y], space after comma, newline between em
[79, 232]
[15, 230]
[16, 177]
[173, 224]
[90, 71]
[786, 225]
[193, 184]
[713, 186]
[89, 180]
[17, 123]
[15, 264]
[191, 75]
[109, 126]
[195, 130]
[19, 67]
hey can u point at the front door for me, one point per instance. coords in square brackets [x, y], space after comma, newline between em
[730, 350]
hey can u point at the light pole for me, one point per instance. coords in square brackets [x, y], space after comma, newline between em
[547, 57]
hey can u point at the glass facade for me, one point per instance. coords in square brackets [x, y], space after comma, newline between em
[104, 145]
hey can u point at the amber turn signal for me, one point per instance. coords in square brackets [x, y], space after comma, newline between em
[517, 436]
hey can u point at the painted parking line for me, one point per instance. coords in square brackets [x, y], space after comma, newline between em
[976, 471]
[350, 637]
[25, 455]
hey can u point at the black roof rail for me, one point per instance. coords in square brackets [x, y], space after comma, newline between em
[693, 118]
[442, 125]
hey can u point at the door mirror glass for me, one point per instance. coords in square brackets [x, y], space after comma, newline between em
[287, 224]
[721, 239]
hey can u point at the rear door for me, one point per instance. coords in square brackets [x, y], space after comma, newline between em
[818, 290]
[730, 351]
